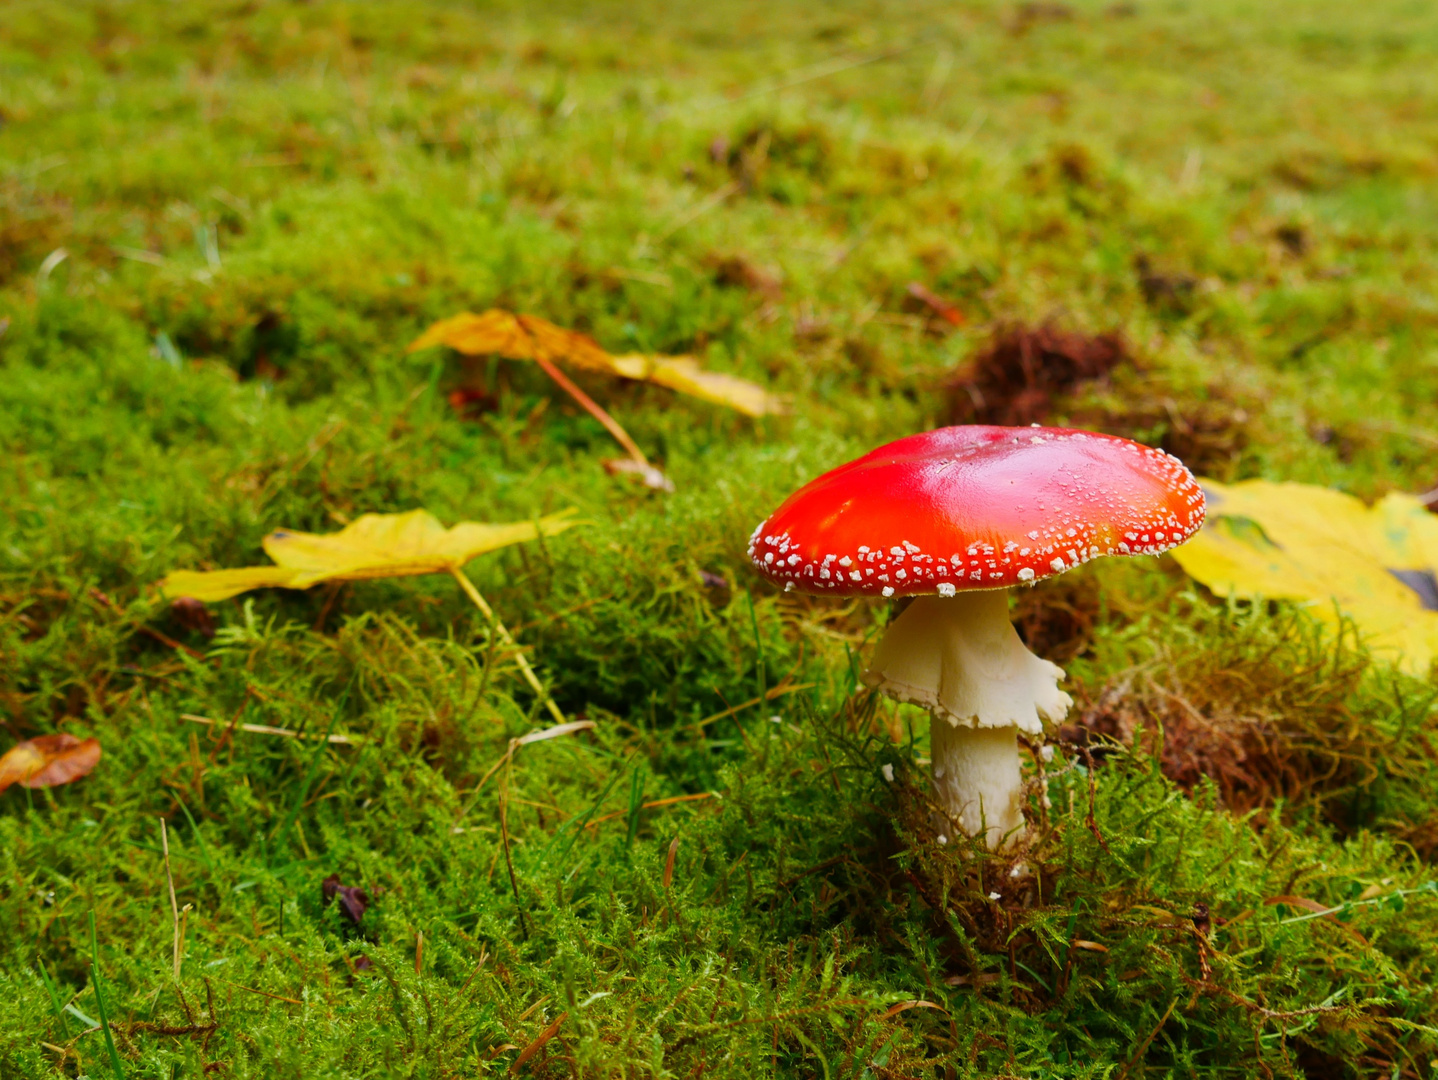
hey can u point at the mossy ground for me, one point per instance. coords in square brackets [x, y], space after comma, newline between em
[261, 203]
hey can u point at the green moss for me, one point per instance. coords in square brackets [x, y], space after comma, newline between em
[262, 204]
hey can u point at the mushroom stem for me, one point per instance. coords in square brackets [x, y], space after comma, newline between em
[960, 658]
[978, 781]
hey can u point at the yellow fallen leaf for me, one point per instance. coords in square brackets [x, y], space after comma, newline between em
[209, 586]
[377, 546]
[527, 337]
[371, 546]
[683, 373]
[1330, 552]
[517, 337]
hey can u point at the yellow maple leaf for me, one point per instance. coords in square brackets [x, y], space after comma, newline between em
[684, 374]
[371, 546]
[516, 337]
[527, 337]
[376, 546]
[1332, 554]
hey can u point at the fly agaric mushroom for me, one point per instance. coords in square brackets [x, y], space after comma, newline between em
[954, 518]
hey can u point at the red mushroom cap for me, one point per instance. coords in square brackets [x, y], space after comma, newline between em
[976, 508]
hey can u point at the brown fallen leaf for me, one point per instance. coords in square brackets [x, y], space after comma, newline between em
[48, 761]
[193, 615]
[1202, 918]
[903, 1006]
[353, 901]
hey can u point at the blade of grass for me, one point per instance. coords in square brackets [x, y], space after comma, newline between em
[158, 850]
[304, 789]
[115, 1065]
[509, 864]
[174, 906]
[266, 729]
[488, 612]
[653, 805]
[581, 823]
[758, 646]
[1142, 1047]
[199, 840]
[636, 802]
[771, 695]
[54, 992]
[91, 1024]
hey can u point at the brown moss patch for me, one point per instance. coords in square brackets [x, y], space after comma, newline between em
[1281, 716]
[29, 230]
[1017, 379]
